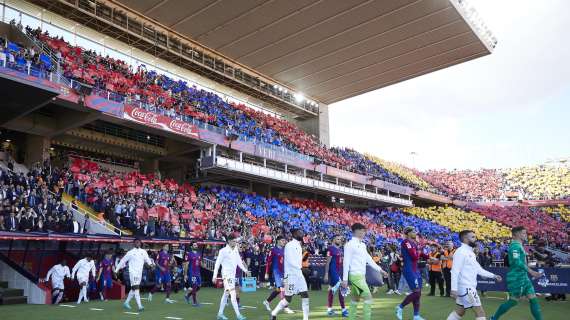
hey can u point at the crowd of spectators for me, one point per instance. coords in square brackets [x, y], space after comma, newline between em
[406, 174]
[23, 58]
[538, 223]
[361, 163]
[27, 205]
[539, 182]
[456, 220]
[559, 212]
[484, 184]
[175, 98]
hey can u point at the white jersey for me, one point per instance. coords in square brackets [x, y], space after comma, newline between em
[293, 255]
[465, 269]
[58, 273]
[229, 259]
[136, 258]
[82, 268]
[356, 258]
[294, 280]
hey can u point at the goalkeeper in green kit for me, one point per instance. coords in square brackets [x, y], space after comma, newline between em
[519, 284]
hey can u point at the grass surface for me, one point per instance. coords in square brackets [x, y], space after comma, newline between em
[433, 308]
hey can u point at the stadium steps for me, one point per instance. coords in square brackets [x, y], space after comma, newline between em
[11, 296]
[67, 199]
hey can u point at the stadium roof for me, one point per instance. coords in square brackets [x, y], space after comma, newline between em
[329, 50]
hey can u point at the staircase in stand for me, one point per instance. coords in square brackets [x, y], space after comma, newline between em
[11, 296]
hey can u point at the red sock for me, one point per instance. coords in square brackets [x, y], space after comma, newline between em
[341, 300]
[330, 299]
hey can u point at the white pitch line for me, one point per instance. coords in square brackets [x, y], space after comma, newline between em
[135, 313]
[66, 305]
[206, 303]
[173, 318]
[249, 307]
[95, 309]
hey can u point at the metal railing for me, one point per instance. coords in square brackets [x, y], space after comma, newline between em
[94, 218]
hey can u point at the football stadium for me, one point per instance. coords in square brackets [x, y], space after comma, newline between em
[169, 159]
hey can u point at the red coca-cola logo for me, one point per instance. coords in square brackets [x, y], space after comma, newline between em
[146, 116]
[182, 127]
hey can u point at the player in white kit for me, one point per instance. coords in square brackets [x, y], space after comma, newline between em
[81, 272]
[464, 278]
[136, 259]
[229, 259]
[58, 273]
[294, 280]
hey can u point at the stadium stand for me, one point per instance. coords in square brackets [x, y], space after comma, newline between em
[539, 224]
[405, 173]
[560, 212]
[485, 184]
[539, 182]
[29, 206]
[457, 220]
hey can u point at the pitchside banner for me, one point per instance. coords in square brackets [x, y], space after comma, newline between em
[555, 280]
[161, 122]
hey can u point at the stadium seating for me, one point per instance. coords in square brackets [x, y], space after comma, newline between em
[559, 212]
[24, 59]
[360, 163]
[485, 184]
[457, 220]
[539, 224]
[539, 182]
[405, 173]
[399, 219]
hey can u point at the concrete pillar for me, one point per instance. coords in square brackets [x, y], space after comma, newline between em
[319, 126]
[36, 149]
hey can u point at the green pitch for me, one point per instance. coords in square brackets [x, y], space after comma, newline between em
[433, 308]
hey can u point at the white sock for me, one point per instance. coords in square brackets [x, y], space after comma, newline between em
[280, 306]
[454, 316]
[138, 298]
[130, 296]
[223, 302]
[329, 309]
[305, 307]
[85, 293]
[80, 295]
[233, 298]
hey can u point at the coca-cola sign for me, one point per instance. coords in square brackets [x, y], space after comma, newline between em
[183, 127]
[144, 116]
[159, 121]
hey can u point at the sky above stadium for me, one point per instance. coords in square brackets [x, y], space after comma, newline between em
[508, 109]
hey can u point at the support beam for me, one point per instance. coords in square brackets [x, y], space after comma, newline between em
[72, 120]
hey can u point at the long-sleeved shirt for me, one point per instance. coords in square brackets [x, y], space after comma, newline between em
[293, 257]
[466, 268]
[136, 258]
[229, 259]
[57, 274]
[82, 268]
[356, 258]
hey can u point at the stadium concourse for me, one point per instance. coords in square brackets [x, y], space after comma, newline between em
[82, 184]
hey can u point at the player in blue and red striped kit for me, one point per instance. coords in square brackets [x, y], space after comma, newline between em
[105, 275]
[333, 273]
[411, 273]
[275, 265]
[192, 275]
[164, 261]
